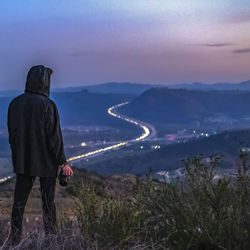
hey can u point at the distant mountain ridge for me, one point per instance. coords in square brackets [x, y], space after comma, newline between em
[112, 88]
[139, 88]
[244, 86]
[105, 88]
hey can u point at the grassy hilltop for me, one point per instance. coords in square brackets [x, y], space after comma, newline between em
[198, 211]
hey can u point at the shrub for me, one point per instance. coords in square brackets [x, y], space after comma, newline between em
[111, 222]
[199, 212]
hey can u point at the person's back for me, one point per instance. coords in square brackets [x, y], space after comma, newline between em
[29, 118]
[37, 148]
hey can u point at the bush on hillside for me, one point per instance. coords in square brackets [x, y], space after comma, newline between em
[198, 211]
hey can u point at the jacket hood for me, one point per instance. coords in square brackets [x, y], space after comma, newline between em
[38, 80]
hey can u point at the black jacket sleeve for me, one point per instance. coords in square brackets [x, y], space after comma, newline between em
[8, 124]
[54, 134]
[8, 121]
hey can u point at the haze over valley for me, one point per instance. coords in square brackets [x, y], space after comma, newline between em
[180, 122]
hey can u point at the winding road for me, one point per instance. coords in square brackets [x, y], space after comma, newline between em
[148, 132]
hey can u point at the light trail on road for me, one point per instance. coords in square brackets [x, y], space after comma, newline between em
[111, 112]
[4, 179]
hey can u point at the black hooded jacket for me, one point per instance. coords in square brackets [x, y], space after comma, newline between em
[34, 128]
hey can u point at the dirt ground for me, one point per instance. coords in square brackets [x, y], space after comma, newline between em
[64, 202]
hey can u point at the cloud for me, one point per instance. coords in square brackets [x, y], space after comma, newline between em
[241, 51]
[216, 45]
[83, 53]
[240, 18]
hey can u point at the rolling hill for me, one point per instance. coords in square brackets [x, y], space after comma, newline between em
[163, 105]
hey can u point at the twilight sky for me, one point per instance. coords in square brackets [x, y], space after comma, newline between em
[145, 41]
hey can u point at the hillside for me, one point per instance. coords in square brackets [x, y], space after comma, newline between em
[116, 185]
[87, 108]
[164, 105]
[127, 212]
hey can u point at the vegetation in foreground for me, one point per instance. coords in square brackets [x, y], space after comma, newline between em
[198, 211]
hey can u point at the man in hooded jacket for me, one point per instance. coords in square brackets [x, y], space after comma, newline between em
[37, 148]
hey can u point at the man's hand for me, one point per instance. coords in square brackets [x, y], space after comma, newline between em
[67, 170]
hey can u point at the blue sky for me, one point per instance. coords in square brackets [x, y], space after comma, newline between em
[146, 41]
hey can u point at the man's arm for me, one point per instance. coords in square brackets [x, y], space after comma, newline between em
[54, 134]
[8, 120]
[55, 140]
[8, 124]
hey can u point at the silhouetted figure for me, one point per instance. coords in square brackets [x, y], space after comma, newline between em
[37, 148]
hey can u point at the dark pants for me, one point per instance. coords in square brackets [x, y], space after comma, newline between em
[22, 190]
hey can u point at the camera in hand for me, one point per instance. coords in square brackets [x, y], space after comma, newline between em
[63, 179]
